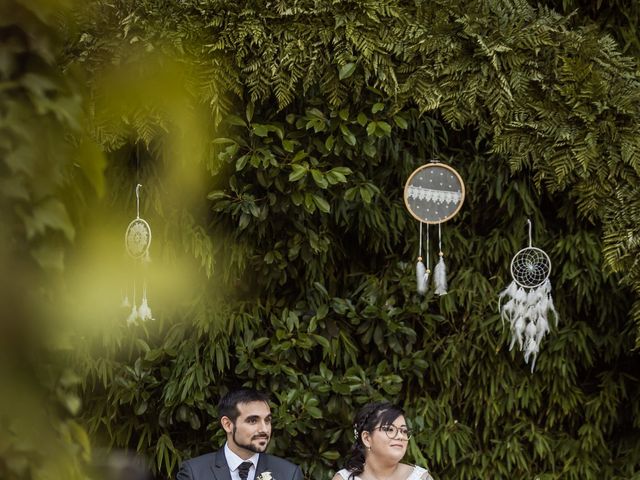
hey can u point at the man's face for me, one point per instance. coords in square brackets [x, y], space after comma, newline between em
[251, 431]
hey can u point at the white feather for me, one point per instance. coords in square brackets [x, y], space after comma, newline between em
[421, 278]
[440, 277]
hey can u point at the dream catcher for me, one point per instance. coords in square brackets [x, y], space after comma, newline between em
[137, 240]
[433, 194]
[528, 300]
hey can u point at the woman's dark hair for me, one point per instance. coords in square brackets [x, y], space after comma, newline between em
[367, 418]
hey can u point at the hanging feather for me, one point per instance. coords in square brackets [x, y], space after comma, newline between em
[509, 292]
[421, 277]
[440, 276]
[133, 316]
[144, 312]
[125, 302]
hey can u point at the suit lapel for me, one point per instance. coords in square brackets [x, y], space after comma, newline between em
[220, 468]
[262, 464]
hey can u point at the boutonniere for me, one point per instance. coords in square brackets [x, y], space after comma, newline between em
[264, 476]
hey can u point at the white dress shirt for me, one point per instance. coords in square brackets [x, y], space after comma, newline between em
[234, 462]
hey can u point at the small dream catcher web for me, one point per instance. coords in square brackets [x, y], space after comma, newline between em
[433, 194]
[528, 300]
[137, 240]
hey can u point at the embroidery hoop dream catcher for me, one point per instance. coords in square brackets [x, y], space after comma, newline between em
[137, 240]
[528, 300]
[433, 194]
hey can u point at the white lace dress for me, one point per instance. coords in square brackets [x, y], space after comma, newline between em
[418, 473]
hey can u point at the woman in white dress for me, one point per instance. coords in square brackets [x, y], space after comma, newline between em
[381, 437]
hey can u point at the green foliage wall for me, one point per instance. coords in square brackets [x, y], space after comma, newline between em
[322, 112]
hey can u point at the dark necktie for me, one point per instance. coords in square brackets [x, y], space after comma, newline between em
[243, 470]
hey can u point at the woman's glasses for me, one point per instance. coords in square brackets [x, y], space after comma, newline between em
[392, 431]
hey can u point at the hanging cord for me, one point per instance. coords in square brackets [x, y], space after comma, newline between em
[530, 236]
[420, 247]
[440, 240]
[422, 273]
[138, 186]
[428, 268]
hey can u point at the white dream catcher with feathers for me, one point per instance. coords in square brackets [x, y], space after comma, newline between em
[137, 240]
[526, 303]
[433, 194]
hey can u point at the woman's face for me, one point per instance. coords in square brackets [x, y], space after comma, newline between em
[389, 441]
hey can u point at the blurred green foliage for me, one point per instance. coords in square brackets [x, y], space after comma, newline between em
[47, 169]
[291, 203]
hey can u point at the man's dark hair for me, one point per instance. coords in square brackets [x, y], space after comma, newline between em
[228, 405]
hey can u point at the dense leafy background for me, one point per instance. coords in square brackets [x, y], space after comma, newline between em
[302, 122]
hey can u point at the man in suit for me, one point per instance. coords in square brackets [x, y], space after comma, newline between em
[245, 416]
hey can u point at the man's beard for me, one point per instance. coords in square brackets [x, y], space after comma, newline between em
[249, 446]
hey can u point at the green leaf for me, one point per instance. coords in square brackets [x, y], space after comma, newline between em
[400, 122]
[260, 130]
[288, 145]
[235, 120]
[319, 178]
[365, 194]
[329, 142]
[377, 107]
[249, 111]
[347, 135]
[222, 141]
[369, 149]
[298, 172]
[141, 408]
[322, 204]
[241, 162]
[384, 127]
[346, 70]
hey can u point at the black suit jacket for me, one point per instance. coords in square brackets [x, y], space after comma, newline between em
[213, 466]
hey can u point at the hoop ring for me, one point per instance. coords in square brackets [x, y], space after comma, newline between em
[531, 270]
[459, 195]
